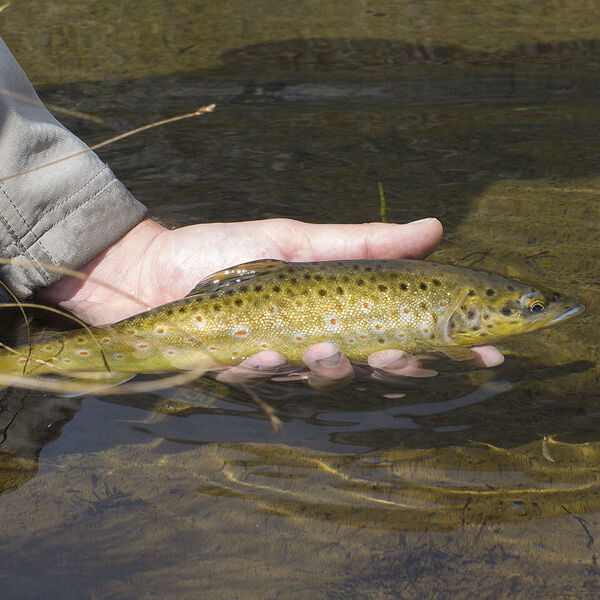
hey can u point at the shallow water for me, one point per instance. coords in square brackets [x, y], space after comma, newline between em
[477, 482]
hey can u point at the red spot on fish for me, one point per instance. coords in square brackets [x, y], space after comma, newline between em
[199, 319]
[212, 348]
[22, 361]
[332, 321]
[67, 361]
[83, 353]
[400, 335]
[234, 353]
[160, 330]
[47, 347]
[130, 331]
[105, 340]
[298, 303]
[142, 346]
[241, 332]
[80, 340]
[378, 326]
[362, 337]
[425, 330]
[366, 304]
[442, 303]
[264, 345]
[406, 311]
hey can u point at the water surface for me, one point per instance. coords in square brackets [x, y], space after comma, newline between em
[477, 482]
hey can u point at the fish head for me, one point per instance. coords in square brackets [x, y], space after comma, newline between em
[494, 307]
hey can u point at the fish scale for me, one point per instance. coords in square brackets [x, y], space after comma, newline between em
[361, 306]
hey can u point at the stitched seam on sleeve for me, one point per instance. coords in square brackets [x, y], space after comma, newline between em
[59, 204]
[18, 242]
[80, 206]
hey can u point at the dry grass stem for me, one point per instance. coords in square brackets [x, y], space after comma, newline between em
[200, 111]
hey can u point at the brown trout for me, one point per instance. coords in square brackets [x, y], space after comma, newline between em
[362, 306]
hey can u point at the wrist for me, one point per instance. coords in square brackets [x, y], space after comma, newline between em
[125, 265]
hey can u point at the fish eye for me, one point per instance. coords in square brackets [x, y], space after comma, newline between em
[533, 302]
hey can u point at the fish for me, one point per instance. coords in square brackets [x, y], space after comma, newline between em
[360, 305]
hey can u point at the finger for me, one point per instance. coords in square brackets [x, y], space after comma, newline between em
[253, 370]
[487, 356]
[398, 363]
[308, 241]
[329, 368]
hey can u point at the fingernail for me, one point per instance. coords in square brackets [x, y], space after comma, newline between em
[331, 362]
[422, 220]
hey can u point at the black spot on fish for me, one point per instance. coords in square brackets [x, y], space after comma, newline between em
[435, 318]
[257, 288]
[381, 341]
[474, 328]
[306, 275]
[217, 307]
[289, 292]
[318, 277]
[169, 311]
[403, 286]
[322, 293]
[393, 274]
[490, 292]
[281, 276]
[214, 295]
[431, 336]
[382, 288]
[293, 281]
[470, 293]
[483, 334]
[423, 306]
[436, 282]
[290, 269]
[355, 267]
[229, 292]
[423, 285]
[510, 288]
[490, 326]
[340, 291]
[471, 314]
[506, 311]
[368, 269]
[486, 316]
[182, 309]
[276, 289]
[373, 278]
[239, 302]
[360, 282]
[345, 279]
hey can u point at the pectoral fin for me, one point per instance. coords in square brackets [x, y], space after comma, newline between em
[244, 272]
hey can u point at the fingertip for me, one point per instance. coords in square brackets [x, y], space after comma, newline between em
[487, 356]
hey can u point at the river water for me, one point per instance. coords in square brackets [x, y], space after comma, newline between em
[476, 483]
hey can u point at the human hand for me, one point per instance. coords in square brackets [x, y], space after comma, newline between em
[157, 265]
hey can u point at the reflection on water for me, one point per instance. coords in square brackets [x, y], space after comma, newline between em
[415, 489]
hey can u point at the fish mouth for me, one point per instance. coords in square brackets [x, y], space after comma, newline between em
[570, 312]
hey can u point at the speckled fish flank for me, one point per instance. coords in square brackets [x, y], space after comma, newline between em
[362, 306]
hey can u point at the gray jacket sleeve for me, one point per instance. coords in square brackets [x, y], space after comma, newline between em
[63, 214]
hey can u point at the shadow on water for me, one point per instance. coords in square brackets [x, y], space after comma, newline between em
[436, 125]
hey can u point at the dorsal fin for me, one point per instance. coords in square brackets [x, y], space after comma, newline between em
[222, 279]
